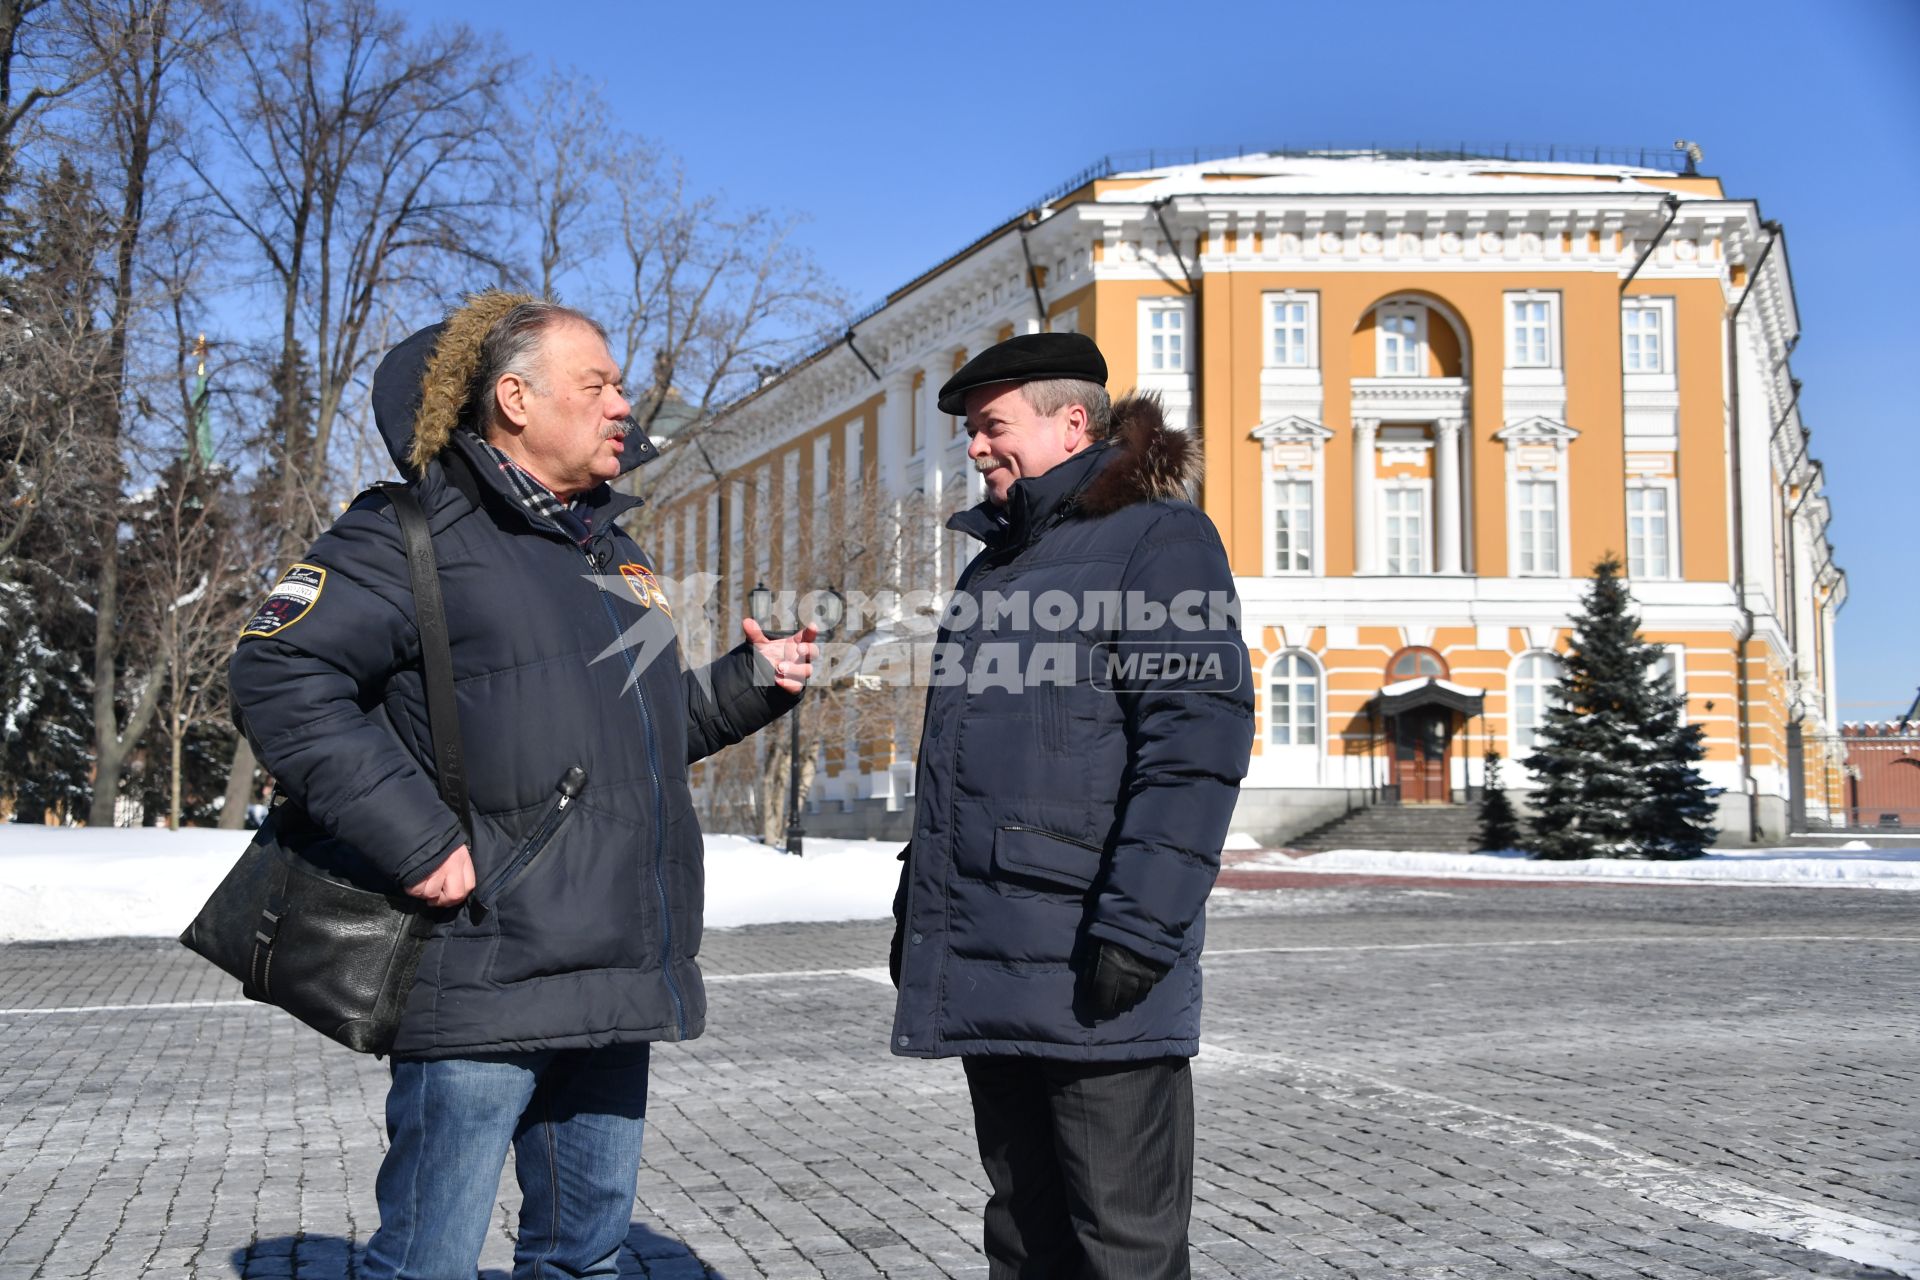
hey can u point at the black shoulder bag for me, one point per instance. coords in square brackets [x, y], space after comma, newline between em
[290, 923]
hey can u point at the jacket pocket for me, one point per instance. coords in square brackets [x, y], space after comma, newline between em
[1058, 862]
[559, 809]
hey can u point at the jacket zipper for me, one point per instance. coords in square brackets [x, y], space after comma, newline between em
[660, 820]
[566, 791]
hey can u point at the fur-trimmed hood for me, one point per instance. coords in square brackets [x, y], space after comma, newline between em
[423, 386]
[1151, 461]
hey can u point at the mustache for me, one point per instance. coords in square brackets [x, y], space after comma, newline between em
[984, 465]
[619, 430]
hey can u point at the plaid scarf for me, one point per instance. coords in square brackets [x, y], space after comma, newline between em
[575, 519]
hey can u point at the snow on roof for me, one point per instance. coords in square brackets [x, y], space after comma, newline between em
[1370, 173]
[1412, 683]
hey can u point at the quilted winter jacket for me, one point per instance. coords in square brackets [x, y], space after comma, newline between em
[586, 922]
[1090, 803]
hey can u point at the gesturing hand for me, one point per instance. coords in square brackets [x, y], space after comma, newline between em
[450, 882]
[791, 657]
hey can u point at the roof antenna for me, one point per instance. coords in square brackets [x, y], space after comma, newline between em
[1693, 156]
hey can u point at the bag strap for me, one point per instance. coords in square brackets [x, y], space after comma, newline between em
[436, 656]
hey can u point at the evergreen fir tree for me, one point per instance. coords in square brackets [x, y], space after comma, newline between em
[1499, 825]
[1604, 731]
[1678, 820]
[51, 342]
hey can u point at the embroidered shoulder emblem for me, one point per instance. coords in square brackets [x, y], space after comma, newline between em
[645, 587]
[288, 602]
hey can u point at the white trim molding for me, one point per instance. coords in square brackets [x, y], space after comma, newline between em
[1537, 450]
[1293, 450]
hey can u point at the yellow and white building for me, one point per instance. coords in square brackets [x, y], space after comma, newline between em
[1432, 392]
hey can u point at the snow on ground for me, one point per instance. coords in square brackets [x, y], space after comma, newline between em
[57, 884]
[1852, 864]
[65, 883]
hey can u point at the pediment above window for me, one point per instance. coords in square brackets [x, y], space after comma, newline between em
[1537, 430]
[1291, 429]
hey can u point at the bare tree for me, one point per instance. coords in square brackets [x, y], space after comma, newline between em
[140, 46]
[366, 166]
[570, 170]
[41, 62]
[55, 460]
[868, 550]
[712, 299]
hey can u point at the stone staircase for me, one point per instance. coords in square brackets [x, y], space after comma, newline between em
[1423, 828]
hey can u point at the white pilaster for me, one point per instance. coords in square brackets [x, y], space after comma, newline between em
[1365, 556]
[1446, 483]
[891, 462]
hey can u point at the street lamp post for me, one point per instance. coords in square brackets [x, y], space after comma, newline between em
[829, 607]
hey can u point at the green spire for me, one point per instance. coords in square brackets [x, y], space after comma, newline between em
[200, 429]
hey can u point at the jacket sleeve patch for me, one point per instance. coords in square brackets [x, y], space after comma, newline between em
[296, 593]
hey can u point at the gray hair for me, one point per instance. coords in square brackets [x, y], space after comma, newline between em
[512, 346]
[1049, 396]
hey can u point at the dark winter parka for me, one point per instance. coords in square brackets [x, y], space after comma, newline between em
[587, 916]
[1090, 802]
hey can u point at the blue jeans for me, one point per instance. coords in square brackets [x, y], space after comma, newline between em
[575, 1118]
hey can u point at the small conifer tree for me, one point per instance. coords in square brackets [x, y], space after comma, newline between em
[1602, 734]
[1678, 820]
[1499, 825]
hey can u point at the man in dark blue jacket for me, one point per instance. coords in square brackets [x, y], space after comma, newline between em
[1090, 720]
[579, 895]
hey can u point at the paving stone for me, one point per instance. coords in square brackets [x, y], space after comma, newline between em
[1554, 1083]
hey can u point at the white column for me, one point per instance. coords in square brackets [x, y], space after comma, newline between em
[933, 423]
[1365, 464]
[1446, 484]
[891, 462]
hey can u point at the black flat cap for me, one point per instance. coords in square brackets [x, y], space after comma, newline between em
[1023, 358]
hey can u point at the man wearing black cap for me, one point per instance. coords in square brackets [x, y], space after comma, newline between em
[1075, 786]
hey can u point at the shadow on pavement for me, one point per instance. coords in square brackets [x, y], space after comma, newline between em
[324, 1257]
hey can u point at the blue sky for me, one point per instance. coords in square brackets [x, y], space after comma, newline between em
[903, 130]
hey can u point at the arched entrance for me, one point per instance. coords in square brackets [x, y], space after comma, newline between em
[1421, 710]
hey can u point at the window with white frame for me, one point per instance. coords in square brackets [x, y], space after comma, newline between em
[1293, 702]
[1405, 515]
[1533, 680]
[1649, 531]
[1163, 335]
[855, 470]
[1668, 670]
[663, 552]
[1537, 526]
[1402, 340]
[788, 469]
[1290, 331]
[822, 466]
[1643, 339]
[1530, 332]
[1292, 526]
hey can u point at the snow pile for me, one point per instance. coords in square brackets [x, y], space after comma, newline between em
[58, 884]
[1853, 864]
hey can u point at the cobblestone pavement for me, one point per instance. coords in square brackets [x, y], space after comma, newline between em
[1539, 1082]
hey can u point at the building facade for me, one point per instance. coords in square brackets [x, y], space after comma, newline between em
[1432, 394]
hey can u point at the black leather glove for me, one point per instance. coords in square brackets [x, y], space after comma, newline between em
[1120, 979]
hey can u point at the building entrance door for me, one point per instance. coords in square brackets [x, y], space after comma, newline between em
[1421, 737]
